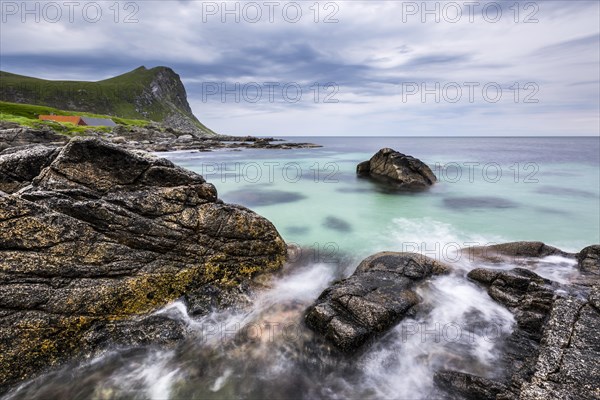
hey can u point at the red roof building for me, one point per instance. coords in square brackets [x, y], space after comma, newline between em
[63, 118]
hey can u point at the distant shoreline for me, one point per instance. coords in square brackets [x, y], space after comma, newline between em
[149, 138]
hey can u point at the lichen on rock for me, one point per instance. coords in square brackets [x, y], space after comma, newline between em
[100, 238]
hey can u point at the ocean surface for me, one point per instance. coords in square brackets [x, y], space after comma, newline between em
[490, 190]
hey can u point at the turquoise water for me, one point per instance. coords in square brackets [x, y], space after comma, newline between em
[490, 190]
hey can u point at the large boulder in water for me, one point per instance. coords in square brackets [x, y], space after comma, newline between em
[374, 299]
[103, 237]
[404, 171]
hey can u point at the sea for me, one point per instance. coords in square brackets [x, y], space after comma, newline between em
[489, 190]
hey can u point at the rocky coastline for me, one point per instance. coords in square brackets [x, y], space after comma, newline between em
[97, 235]
[151, 138]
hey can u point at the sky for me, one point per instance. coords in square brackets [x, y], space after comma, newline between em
[335, 68]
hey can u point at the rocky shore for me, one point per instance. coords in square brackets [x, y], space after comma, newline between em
[95, 238]
[552, 353]
[152, 138]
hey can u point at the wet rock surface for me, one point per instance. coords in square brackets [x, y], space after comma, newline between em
[101, 238]
[588, 259]
[375, 298]
[401, 170]
[468, 386]
[553, 351]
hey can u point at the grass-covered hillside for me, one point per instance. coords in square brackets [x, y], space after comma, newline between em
[27, 114]
[155, 94]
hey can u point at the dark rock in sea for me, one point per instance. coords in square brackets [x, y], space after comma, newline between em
[524, 292]
[401, 170]
[337, 224]
[477, 202]
[589, 259]
[553, 351]
[254, 197]
[376, 297]
[101, 238]
[19, 165]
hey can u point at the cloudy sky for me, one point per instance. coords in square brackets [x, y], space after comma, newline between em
[363, 68]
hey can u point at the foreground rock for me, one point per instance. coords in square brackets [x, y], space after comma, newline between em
[553, 351]
[101, 238]
[375, 298]
[404, 171]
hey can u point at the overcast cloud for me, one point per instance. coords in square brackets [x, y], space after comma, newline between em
[378, 56]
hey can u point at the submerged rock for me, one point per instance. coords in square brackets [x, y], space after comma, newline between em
[478, 202]
[402, 170]
[337, 224]
[374, 299]
[101, 238]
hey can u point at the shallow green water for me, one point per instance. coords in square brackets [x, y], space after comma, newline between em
[490, 189]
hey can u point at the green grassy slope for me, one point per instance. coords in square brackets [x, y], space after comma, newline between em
[145, 94]
[27, 114]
